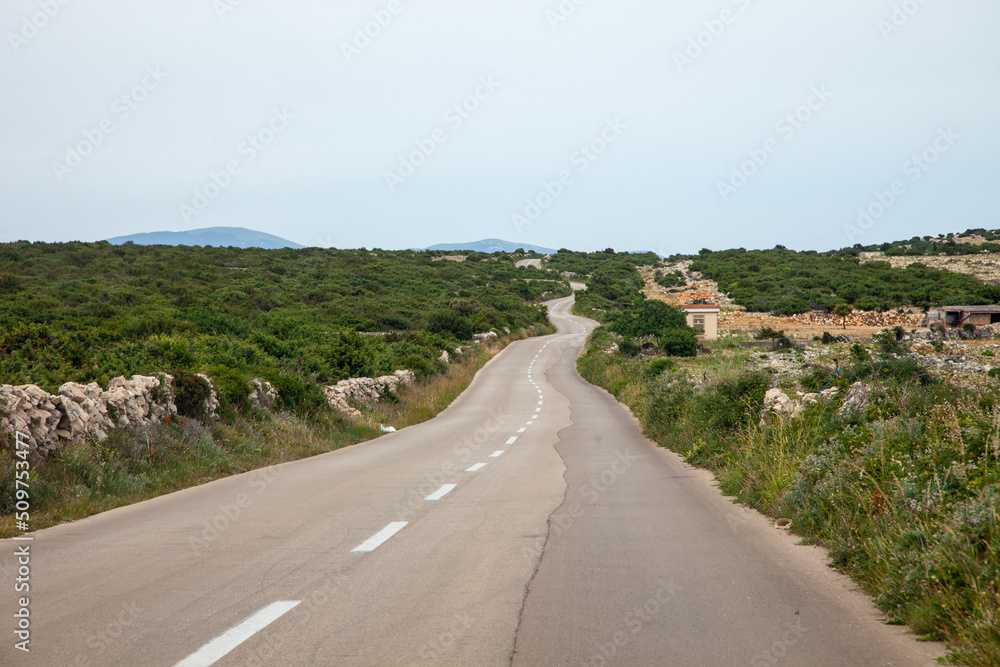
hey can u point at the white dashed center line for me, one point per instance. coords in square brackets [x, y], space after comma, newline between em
[379, 538]
[442, 492]
[497, 454]
[476, 468]
[521, 430]
[512, 440]
[214, 650]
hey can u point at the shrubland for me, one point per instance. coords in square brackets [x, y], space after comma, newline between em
[301, 319]
[787, 282]
[87, 312]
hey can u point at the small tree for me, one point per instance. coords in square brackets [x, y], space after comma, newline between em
[842, 310]
[679, 342]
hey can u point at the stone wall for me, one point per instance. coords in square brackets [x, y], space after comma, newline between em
[365, 391]
[84, 412]
[81, 413]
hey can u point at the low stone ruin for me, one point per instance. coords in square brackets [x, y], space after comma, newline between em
[210, 406]
[778, 403]
[985, 332]
[84, 412]
[263, 396]
[365, 391]
[80, 413]
[857, 399]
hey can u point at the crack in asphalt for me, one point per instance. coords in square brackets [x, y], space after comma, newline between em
[562, 501]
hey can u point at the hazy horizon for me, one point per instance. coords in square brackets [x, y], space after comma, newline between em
[637, 126]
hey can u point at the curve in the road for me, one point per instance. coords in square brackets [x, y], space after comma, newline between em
[530, 523]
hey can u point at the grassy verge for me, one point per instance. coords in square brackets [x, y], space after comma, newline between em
[430, 395]
[80, 480]
[905, 494]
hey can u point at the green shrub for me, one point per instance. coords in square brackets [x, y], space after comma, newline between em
[899, 370]
[646, 318]
[679, 342]
[629, 347]
[233, 389]
[350, 355]
[295, 394]
[451, 322]
[659, 366]
[190, 394]
[734, 402]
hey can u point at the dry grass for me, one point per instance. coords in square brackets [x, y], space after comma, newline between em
[429, 396]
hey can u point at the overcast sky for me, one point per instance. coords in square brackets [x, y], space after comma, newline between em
[635, 124]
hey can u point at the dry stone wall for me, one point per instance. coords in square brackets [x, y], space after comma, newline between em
[84, 412]
[81, 413]
[365, 391]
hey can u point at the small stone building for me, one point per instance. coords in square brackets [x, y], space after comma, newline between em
[958, 316]
[703, 318]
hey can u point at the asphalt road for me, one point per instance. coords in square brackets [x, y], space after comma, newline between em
[530, 523]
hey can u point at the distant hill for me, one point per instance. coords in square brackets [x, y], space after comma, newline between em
[220, 237]
[490, 246]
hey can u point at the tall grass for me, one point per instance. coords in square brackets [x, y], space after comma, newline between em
[430, 395]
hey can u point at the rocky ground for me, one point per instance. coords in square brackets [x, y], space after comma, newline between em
[735, 318]
[960, 360]
[985, 266]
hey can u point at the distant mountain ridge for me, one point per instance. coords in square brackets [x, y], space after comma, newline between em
[490, 246]
[220, 237]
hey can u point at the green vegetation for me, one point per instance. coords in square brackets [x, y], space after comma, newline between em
[940, 244]
[133, 465]
[614, 281]
[300, 319]
[905, 494]
[89, 312]
[787, 282]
